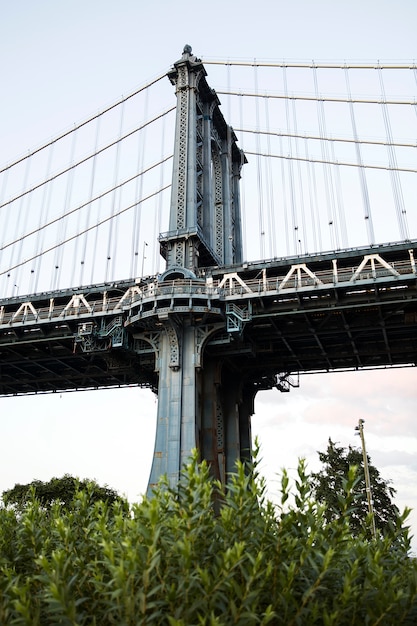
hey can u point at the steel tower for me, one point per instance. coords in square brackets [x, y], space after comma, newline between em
[202, 402]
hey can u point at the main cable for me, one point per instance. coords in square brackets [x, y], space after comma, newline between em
[87, 158]
[81, 124]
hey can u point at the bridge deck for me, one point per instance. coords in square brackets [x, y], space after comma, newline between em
[347, 310]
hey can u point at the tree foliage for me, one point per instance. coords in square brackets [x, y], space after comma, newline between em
[172, 561]
[61, 490]
[329, 487]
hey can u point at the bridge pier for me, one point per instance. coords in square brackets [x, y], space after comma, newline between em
[203, 403]
[225, 413]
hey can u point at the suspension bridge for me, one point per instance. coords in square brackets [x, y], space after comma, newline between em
[129, 244]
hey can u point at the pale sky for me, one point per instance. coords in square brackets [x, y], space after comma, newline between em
[63, 61]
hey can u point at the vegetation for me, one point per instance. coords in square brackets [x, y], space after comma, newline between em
[171, 560]
[62, 490]
[329, 487]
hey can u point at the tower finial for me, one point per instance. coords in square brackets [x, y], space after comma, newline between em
[187, 49]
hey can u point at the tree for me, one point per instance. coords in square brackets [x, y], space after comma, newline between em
[328, 488]
[60, 490]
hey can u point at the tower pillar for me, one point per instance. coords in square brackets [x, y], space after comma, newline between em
[201, 403]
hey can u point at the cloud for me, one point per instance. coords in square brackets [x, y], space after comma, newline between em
[384, 398]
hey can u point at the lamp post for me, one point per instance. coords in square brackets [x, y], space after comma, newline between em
[359, 428]
[143, 257]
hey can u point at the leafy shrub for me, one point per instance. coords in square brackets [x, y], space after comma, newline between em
[181, 559]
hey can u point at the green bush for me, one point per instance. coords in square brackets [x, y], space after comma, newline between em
[202, 555]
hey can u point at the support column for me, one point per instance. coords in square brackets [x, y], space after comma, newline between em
[227, 407]
[205, 408]
[176, 431]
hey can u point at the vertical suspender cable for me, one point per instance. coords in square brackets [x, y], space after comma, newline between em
[21, 218]
[259, 169]
[77, 239]
[415, 78]
[229, 99]
[284, 186]
[159, 205]
[395, 178]
[270, 186]
[93, 255]
[328, 184]
[62, 228]
[117, 194]
[339, 199]
[361, 169]
[303, 234]
[87, 209]
[94, 261]
[284, 200]
[137, 211]
[312, 187]
[243, 194]
[5, 224]
[293, 202]
[43, 217]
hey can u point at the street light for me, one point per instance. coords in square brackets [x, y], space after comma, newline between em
[359, 428]
[143, 257]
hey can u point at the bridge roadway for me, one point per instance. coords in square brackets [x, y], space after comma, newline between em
[350, 309]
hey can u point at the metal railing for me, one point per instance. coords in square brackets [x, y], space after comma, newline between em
[28, 312]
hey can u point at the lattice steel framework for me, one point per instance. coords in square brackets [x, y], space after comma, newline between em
[205, 222]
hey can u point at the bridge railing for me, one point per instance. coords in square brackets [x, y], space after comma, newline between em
[299, 276]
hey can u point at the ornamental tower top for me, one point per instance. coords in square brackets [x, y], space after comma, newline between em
[205, 218]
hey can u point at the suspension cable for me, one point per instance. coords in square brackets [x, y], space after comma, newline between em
[371, 142]
[89, 202]
[313, 64]
[330, 162]
[293, 203]
[97, 225]
[62, 229]
[259, 175]
[314, 214]
[243, 188]
[90, 156]
[302, 236]
[340, 203]
[43, 215]
[90, 195]
[328, 180]
[113, 223]
[395, 180]
[361, 171]
[137, 213]
[270, 191]
[158, 201]
[313, 98]
[81, 124]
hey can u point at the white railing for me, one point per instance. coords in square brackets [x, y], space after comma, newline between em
[299, 276]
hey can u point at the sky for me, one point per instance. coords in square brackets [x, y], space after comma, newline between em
[62, 62]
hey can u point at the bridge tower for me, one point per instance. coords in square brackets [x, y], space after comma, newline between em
[202, 401]
[205, 223]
